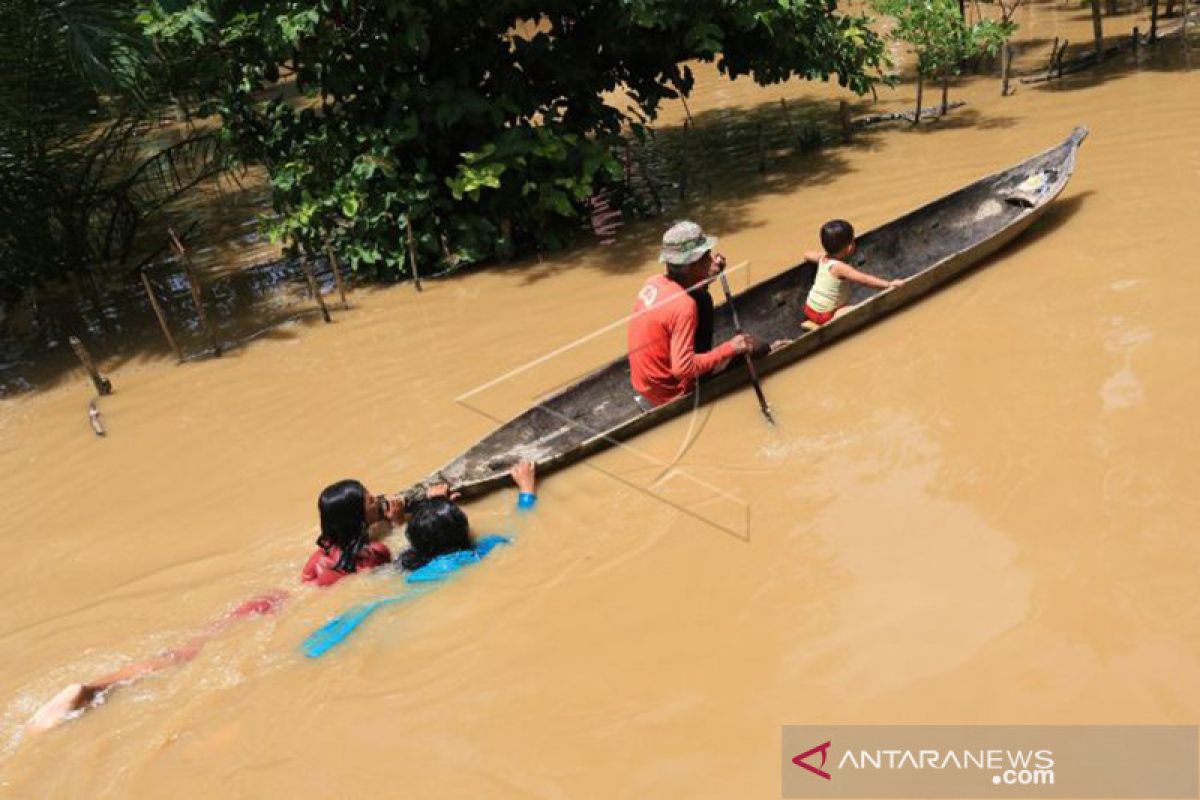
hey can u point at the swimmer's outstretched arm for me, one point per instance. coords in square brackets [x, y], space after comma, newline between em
[524, 475]
[82, 696]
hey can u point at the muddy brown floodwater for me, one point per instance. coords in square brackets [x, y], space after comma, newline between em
[979, 510]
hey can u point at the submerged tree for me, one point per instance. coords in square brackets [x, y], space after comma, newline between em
[1008, 10]
[76, 176]
[472, 129]
[941, 39]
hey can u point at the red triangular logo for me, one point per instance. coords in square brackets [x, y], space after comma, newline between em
[823, 749]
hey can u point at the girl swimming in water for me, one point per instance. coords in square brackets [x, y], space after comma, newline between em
[348, 514]
[439, 534]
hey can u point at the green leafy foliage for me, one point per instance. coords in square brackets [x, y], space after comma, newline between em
[78, 83]
[481, 127]
[941, 40]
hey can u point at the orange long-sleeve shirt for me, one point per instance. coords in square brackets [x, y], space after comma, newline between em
[663, 363]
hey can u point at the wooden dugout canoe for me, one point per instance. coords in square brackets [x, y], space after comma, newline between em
[927, 247]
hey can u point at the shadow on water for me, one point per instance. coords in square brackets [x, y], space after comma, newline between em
[1057, 215]
[1165, 55]
[714, 167]
[120, 329]
[964, 118]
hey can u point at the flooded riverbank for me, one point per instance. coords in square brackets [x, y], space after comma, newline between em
[978, 510]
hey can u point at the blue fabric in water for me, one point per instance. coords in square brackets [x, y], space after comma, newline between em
[444, 566]
[337, 629]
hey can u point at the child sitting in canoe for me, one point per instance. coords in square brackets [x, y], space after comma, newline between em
[831, 287]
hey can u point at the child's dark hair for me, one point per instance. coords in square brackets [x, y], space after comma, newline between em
[342, 507]
[836, 236]
[435, 527]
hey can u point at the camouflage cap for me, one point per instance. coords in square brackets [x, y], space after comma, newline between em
[685, 242]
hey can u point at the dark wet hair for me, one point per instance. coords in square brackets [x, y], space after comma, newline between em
[342, 507]
[435, 527]
[836, 235]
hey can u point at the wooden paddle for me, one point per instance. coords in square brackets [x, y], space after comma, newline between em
[737, 328]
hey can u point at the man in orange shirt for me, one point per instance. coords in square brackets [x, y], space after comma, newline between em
[664, 361]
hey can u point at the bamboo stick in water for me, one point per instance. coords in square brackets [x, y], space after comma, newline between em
[103, 385]
[412, 254]
[314, 288]
[337, 273]
[197, 297]
[158, 312]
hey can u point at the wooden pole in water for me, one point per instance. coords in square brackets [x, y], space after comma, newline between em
[94, 419]
[1097, 30]
[1005, 67]
[920, 94]
[685, 167]
[505, 234]
[1186, 45]
[412, 254]
[1062, 53]
[314, 288]
[197, 298]
[644, 165]
[1053, 57]
[787, 117]
[158, 312]
[1153, 21]
[337, 273]
[103, 385]
[844, 121]
[628, 166]
[762, 150]
[686, 110]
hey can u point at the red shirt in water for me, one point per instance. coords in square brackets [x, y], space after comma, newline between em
[320, 566]
[663, 363]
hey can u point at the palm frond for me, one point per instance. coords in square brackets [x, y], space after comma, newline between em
[77, 165]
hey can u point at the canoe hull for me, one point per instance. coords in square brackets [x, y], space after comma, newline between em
[928, 247]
